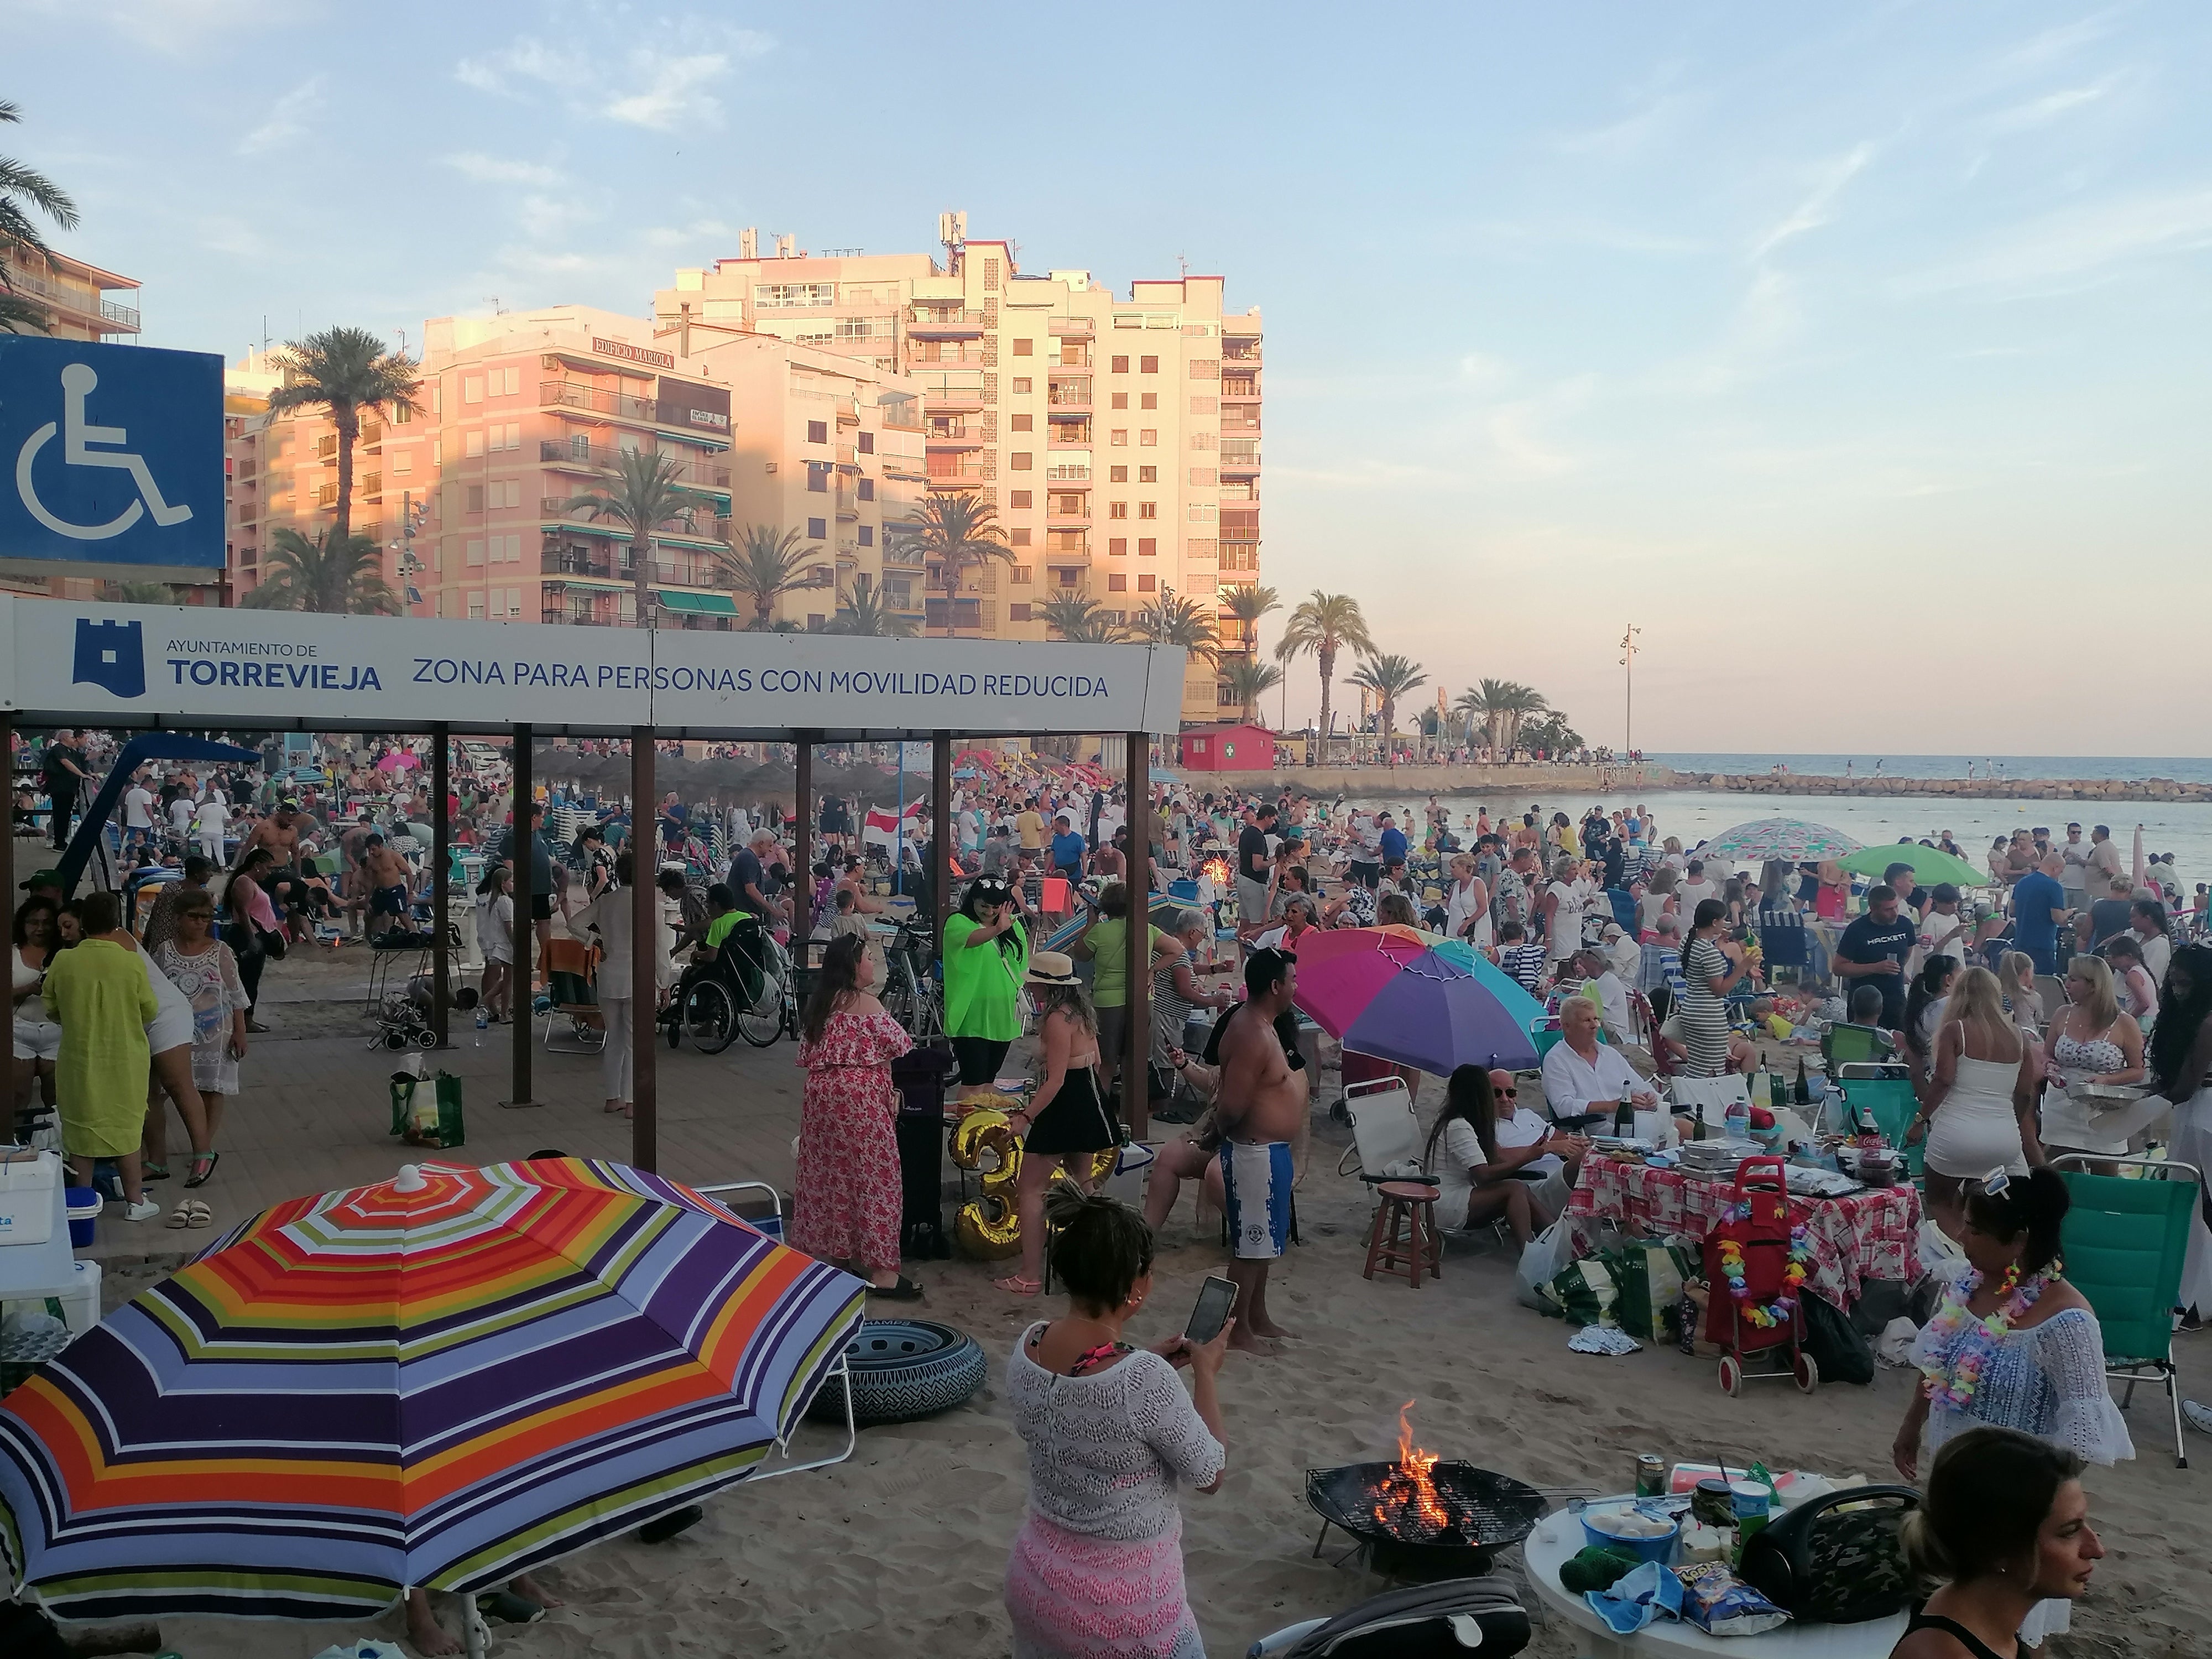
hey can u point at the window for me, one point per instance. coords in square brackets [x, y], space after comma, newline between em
[474, 442]
[473, 501]
[1206, 477]
[437, 451]
[817, 529]
[1021, 423]
[1021, 460]
[1148, 400]
[1117, 475]
[817, 477]
[475, 552]
[1117, 547]
[867, 535]
[1025, 348]
[1117, 509]
[1148, 509]
[1118, 438]
[1202, 513]
[1022, 574]
[867, 489]
[1147, 583]
[1021, 386]
[402, 413]
[1021, 539]
[1121, 365]
[1148, 365]
[510, 436]
[503, 382]
[477, 606]
[1149, 438]
[1018, 498]
[1017, 612]
[402, 463]
[867, 443]
[472, 388]
[1147, 548]
[783, 296]
[817, 432]
[1148, 475]
[1117, 582]
[1121, 400]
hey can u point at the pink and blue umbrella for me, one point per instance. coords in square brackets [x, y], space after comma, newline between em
[1415, 998]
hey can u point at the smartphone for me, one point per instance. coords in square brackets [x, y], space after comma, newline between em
[1216, 1299]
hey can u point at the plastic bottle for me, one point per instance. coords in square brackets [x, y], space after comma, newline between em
[1737, 1122]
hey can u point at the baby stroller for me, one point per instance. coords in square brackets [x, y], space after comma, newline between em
[1755, 1265]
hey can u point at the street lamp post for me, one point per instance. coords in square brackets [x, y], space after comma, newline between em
[1628, 648]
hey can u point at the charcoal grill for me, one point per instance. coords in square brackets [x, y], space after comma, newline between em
[1487, 1511]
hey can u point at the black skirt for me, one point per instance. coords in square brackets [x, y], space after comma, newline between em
[1076, 1119]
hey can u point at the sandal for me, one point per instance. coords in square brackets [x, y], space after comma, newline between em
[1015, 1285]
[200, 1177]
[510, 1609]
[905, 1290]
[153, 1171]
[195, 1214]
[181, 1216]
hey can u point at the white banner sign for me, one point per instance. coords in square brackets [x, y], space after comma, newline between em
[120, 664]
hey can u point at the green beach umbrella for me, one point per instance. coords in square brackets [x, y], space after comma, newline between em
[1930, 865]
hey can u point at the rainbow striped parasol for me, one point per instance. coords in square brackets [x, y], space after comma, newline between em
[441, 1380]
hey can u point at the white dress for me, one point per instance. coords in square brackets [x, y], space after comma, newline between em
[1975, 1129]
[2192, 1144]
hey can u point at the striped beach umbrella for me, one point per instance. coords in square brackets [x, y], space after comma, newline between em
[1794, 841]
[442, 1381]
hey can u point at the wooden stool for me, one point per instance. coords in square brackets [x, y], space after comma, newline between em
[1404, 1240]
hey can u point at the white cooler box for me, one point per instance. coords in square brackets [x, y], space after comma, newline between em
[27, 1181]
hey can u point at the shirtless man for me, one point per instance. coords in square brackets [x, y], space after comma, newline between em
[1262, 1106]
[385, 874]
[280, 833]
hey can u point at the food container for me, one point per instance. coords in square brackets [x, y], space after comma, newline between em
[81, 1302]
[1711, 1503]
[1646, 1538]
[84, 1205]
[27, 1179]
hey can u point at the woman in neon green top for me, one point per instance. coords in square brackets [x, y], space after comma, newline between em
[1104, 944]
[987, 956]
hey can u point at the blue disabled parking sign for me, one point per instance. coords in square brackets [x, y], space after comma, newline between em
[110, 454]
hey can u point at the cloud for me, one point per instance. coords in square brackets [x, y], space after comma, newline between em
[657, 87]
[2080, 245]
[2053, 44]
[287, 119]
[2041, 111]
[179, 26]
[1818, 208]
[498, 170]
[1634, 132]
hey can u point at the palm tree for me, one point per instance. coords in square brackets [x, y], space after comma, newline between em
[24, 191]
[1389, 677]
[1078, 618]
[862, 609]
[344, 370]
[140, 594]
[1172, 621]
[343, 577]
[1324, 624]
[764, 566]
[958, 531]
[1502, 706]
[645, 498]
[1248, 680]
[1245, 606]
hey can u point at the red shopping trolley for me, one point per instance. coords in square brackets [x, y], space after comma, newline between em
[1756, 1263]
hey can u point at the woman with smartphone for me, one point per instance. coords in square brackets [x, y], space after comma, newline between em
[1097, 1565]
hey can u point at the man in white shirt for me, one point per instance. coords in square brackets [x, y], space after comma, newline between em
[2073, 873]
[1696, 890]
[1597, 973]
[1516, 1125]
[1581, 1074]
[137, 812]
[181, 817]
[211, 822]
[1943, 931]
[1625, 955]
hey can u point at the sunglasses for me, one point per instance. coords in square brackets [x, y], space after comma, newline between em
[1509, 1094]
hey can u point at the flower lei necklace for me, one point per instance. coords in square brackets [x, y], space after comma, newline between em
[1954, 1372]
[1764, 1315]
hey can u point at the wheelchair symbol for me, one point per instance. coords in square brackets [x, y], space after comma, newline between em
[78, 380]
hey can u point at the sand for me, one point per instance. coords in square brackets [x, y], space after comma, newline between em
[901, 1549]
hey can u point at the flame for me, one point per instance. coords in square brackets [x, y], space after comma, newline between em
[1217, 871]
[1409, 1499]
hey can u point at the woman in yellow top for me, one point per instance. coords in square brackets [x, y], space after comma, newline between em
[987, 956]
[1103, 943]
[100, 997]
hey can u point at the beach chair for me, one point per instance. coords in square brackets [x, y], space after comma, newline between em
[1710, 1097]
[1887, 1102]
[1850, 1045]
[571, 972]
[2124, 1240]
[1784, 944]
[1386, 1132]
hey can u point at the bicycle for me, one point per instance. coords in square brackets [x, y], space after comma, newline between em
[910, 993]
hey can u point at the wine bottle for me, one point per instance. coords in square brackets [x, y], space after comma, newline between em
[1802, 1096]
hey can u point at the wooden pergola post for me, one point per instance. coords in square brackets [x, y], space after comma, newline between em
[521, 846]
[441, 831]
[802, 851]
[644, 952]
[1136, 1079]
[940, 832]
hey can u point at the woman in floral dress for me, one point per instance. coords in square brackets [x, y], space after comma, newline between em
[846, 1206]
[202, 967]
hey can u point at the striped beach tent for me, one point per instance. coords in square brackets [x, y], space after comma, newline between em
[441, 1380]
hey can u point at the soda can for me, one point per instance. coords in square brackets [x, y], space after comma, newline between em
[1650, 1475]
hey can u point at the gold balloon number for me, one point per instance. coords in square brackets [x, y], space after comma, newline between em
[989, 1225]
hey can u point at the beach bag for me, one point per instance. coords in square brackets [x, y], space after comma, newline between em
[1837, 1346]
[1584, 1293]
[1541, 1258]
[1838, 1559]
[427, 1111]
[1649, 1279]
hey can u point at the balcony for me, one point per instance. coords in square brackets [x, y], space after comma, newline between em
[1074, 393]
[622, 406]
[954, 388]
[1240, 455]
[1236, 386]
[80, 297]
[704, 527]
[605, 458]
[1234, 350]
[943, 319]
[1082, 325]
[951, 433]
[1071, 356]
[1068, 468]
[928, 355]
[1069, 429]
[940, 475]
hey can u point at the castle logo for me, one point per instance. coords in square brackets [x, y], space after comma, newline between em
[112, 655]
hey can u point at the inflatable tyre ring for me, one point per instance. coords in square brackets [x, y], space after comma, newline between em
[904, 1368]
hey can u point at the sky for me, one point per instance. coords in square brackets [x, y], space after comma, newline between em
[1856, 355]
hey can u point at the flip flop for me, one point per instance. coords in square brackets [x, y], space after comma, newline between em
[1015, 1285]
[905, 1290]
[201, 1178]
[509, 1608]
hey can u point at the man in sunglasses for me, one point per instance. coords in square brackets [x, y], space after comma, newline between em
[1516, 1125]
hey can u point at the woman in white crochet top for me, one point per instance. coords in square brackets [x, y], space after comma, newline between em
[2013, 1344]
[1097, 1568]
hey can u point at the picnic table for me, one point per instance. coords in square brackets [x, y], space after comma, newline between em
[1869, 1234]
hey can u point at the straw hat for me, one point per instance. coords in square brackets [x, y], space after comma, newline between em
[1052, 968]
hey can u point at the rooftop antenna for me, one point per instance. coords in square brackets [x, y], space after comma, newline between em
[1184, 263]
[493, 300]
[953, 231]
[402, 333]
[1628, 649]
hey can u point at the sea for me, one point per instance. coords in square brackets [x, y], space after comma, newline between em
[2183, 829]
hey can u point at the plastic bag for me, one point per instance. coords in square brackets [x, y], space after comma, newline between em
[1541, 1261]
[1837, 1348]
[1719, 1603]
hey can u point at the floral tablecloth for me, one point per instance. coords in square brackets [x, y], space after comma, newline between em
[1871, 1234]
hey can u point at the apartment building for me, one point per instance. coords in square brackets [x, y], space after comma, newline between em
[1118, 439]
[75, 295]
[471, 496]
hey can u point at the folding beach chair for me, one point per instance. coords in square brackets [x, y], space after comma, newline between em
[571, 973]
[1850, 1045]
[1710, 1097]
[2124, 1240]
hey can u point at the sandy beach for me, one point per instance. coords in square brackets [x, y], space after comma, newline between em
[901, 1549]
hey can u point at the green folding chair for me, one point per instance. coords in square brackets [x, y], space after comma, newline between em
[2125, 1239]
[1890, 1105]
[1844, 1045]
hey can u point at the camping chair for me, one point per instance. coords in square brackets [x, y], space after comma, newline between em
[1648, 1034]
[571, 969]
[1852, 1045]
[1784, 942]
[1710, 1097]
[2124, 1241]
[1386, 1134]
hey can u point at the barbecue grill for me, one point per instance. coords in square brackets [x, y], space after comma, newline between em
[1481, 1513]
